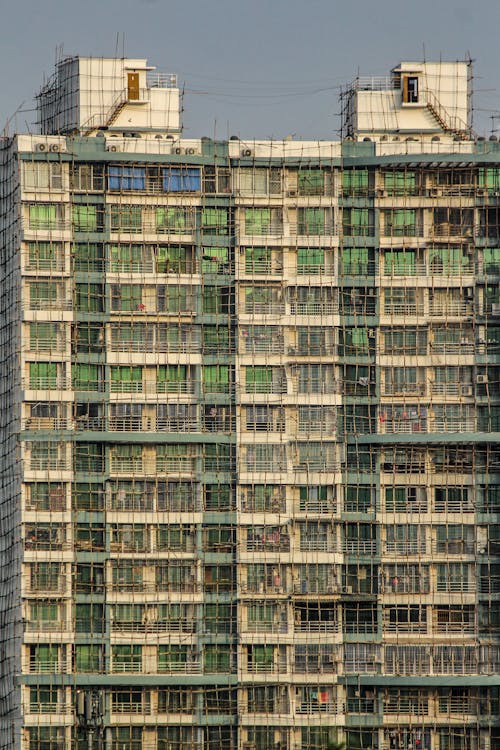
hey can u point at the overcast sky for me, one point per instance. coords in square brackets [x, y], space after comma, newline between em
[260, 68]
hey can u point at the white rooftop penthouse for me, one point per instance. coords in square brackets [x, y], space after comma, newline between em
[418, 99]
[89, 94]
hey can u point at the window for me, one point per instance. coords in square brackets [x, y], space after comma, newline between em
[46, 336]
[358, 222]
[355, 182]
[265, 379]
[401, 222]
[45, 496]
[215, 221]
[175, 220]
[260, 221]
[310, 261]
[400, 183]
[126, 178]
[357, 261]
[126, 297]
[176, 658]
[86, 177]
[174, 379]
[46, 216]
[43, 375]
[47, 295]
[126, 218]
[259, 181]
[88, 658]
[88, 218]
[410, 89]
[45, 256]
[88, 256]
[313, 221]
[87, 377]
[39, 175]
[126, 658]
[90, 297]
[126, 379]
[181, 180]
[314, 182]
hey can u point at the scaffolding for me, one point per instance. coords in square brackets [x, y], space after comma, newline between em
[251, 468]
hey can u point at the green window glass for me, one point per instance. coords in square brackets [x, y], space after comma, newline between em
[88, 457]
[311, 221]
[450, 260]
[401, 222]
[310, 260]
[85, 218]
[126, 658]
[175, 220]
[258, 259]
[126, 258]
[400, 183]
[126, 297]
[44, 295]
[357, 222]
[491, 257]
[489, 178]
[88, 256]
[174, 259]
[46, 216]
[257, 220]
[173, 658]
[215, 260]
[125, 379]
[43, 375]
[87, 377]
[258, 379]
[399, 262]
[216, 378]
[44, 336]
[172, 379]
[126, 218]
[90, 297]
[356, 261]
[215, 220]
[311, 182]
[88, 658]
[45, 256]
[355, 181]
[217, 658]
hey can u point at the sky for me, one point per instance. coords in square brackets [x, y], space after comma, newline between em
[260, 68]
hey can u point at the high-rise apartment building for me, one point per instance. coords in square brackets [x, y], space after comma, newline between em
[250, 415]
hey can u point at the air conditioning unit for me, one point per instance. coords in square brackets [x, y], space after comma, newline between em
[466, 389]
[247, 152]
[178, 150]
[55, 148]
[481, 379]
[191, 151]
[436, 192]
[347, 589]
[481, 191]
[42, 147]
[112, 148]
[291, 193]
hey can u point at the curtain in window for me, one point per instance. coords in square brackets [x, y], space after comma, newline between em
[181, 180]
[355, 261]
[85, 218]
[175, 220]
[126, 379]
[44, 215]
[310, 260]
[216, 378]
[400, 183]
[215, 259]
[126, 178]
[355, 181]
[257, 220]
[311, 221]
[43, 374]
[172, 378]
[86, 377]
[215, 220]
[399, 262]
[311, 182]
